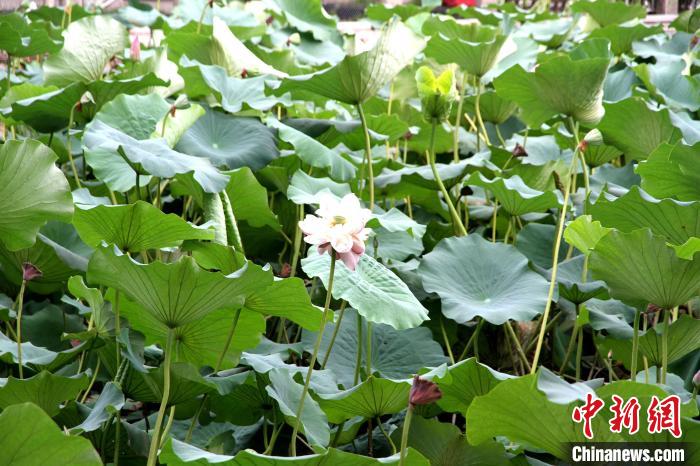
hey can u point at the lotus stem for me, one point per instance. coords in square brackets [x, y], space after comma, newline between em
[635, 344]
[201, 17]
[368, 155]
[341, 313]
[233, 236]
[297, 242]
[664, 345]
[117, 328]
[430, 155]
[477, 111]
[447, 341]
[229, 339]
[458, 119]
[579, 352]
[69, 148]
[518, 346]
[314, 355]
[20, 305]
[386, 435]
[473, 339]
[555, 266]
[155, 436]
[358, 360]
[404, 434]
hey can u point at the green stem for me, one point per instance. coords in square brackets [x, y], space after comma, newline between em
[664, 346]
[458, 120]
[335, 334]
[117, 428]
[579, 352]
[368, 358]
[117, 328]
[386, 436]
[297, 242]
[404, 434]
[358, 359]
[368, 155]
[69, 148]
[20, 305]
[456, 220]
[314, 355]
[518, 346]
[201, 17]
[229, 339]
[570, 346]
[232, 234]
[477, 110]
[155, 435]
[555, 266]
[472, 339]
[635, 345]
[446, 340]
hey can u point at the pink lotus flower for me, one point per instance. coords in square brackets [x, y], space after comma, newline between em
[696, 379]
[135, 50]
[340, 226]
[30, 272]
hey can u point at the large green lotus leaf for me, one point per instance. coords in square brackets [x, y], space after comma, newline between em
[39, 357]
[635, 129]
[201, 342]
[467, 380]
[568, 85]
[382, 127]
[518, 410]
[605, 12]
[674, 220]
[396, 354]
[583, 233]
[494, 109]
[308, 16]
[619, 85]
[445, 445]
[45, 390]
[668, 81]
[573, 287]
[288, 393]
[22, 38]
[26, 424]
[232, 142]
[176, 453]
[88, 45]
[104, 143]
[372, 398]
[305, 189]
[687, 21]
[640, 268]
[422, 175]
[135, 227]
[515, 196]
[374, 290]
[474, 277]
[186, 384]
[549, 32]
[381, 12]
[249, 200]
[672, 171]
[32, 191]
[313, 152]
[536, 241]
[600, 155]
[111, 400]
[173, 126]
[473, 47]
[135, 115]
[176, 294]
[683, 339]
[622, 37]
[357, 78]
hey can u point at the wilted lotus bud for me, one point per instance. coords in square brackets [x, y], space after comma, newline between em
[653, 308]
[466, 191]
[135, 50]
[593, 138]
[180, 103]
[436, 93]
[269, 20]
[423, 392]
[696, 379]
[30, 272]
[295, 39]
[244, 73]
[694, 41]
[519, 151]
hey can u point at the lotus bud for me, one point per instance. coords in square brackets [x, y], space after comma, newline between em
[519, 151]
[423, 392]
[294, 39]
[437, 93]
[135, 50]
[593, 138]
[180, 103]
[30, 272]
[696, 379]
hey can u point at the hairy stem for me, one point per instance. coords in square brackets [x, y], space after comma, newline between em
[155, 435]
[18, 332]
[368, 155]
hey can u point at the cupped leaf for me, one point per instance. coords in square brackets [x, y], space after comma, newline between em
[45, 390]
[374, 290]
[493, 108]
[640, 268]
[515, 196]
[474, 277]
[605, 12]
[668, 83]
[583, 233]
[672, 171]
[467, 380]
[88, 45]
[372, 398]
[22, 38]
[26, 424]
[308, 16]
[571, 85]
[32, 191]
[135, 227]
[110, 401]
[249, 200]
[357, 78]
[305, 189]
[622, 37]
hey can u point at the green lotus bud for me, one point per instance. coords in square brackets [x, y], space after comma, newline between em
[593, 138]
[437, 93]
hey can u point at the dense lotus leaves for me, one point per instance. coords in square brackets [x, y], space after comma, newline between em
[370, 399]
[32, 191]
[467, 380]
[313, 152]
[674, 220]
[668, 82]
[22, 38]
[152, 156]
[374, 290]
[584, 233]
[493, 108]
[232, 142]
[571, 85]
[397, 235]
[423, 176]
[572, 285]
[397, 354]
[687, 21]
[596, 156]
[135, 227]
[26, 424]
[611, 315]
[519, 411]
[634, 128]
[663, 48]
[551, 33]
[186, 384]
[176, 453]
[45, 390]
[249, 200]
[110, 400]
[305, 189]
[683, 339]
[358, 77]
[88, 45]
[445, 445]
[622, 37]
[475, 48]
[672, 171]
[308, 16]
[474, 277]
[288, 394]
[606, 13]
[37, 356]
[619, 85]
[641, 268]
[514, 195]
